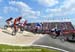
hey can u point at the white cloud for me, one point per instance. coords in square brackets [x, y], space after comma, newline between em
[48, 3]
[1, 17]
[19, 4]
[9, 9]
[0, 0]
[24, 9]
[67, 8]
[68, 3]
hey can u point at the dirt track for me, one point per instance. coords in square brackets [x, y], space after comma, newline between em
[25, 38]
[48, 41]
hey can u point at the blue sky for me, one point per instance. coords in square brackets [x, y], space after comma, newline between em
[38, 10]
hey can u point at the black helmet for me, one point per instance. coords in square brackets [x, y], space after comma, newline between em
[20, 17]
[11, 18]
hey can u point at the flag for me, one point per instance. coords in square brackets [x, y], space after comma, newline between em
[38, 25]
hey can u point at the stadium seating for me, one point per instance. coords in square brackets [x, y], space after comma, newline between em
[47, 26]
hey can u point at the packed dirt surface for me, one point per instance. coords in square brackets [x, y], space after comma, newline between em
[28, 38]
[25, 38]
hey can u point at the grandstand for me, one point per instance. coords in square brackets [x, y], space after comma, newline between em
[66, 28]
[47, 26]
